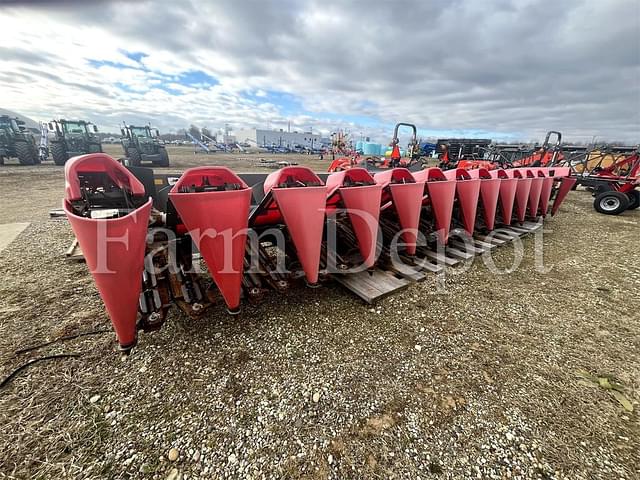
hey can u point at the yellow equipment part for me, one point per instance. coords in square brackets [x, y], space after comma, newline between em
[598, 159]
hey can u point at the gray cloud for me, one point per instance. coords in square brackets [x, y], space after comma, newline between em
[506, 67]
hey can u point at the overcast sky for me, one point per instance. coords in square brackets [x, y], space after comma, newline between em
[505, 69]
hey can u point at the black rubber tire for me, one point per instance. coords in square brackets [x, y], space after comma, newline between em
[611, 203]
[634, 199]
[36, 155]
[58, 153]
[164, 158]
[605, 187]
[24, 152]
[133, 158]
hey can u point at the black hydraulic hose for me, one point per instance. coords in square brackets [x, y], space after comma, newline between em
[31, 362]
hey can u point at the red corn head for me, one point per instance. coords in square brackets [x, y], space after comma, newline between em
[363, 206]
[217, 221]
[468, 194]
[303, 211]
[508, 187]
[407, 201]
[489, 193]
[566, 184]
[113, 248]
[440, 195]
[522, 193]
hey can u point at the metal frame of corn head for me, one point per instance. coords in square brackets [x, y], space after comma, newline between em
[258, 233]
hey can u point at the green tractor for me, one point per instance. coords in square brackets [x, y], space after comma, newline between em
[16, 141]
[142, 144]
[70, 138]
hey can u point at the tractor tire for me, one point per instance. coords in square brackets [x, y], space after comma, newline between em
[164, 158]
[25, 153]
[611, 203]
[36, 156]
[58, 153]
[133, 158]
[605, 187]
[634, 199]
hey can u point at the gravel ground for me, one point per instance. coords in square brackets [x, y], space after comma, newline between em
[486, 380]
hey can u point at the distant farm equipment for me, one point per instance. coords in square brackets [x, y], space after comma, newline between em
[613, 175]
[483, 153]
[17, 142]
[547, 154]
[142, 144]
[65, 139]
[413, 155]
[463, 153]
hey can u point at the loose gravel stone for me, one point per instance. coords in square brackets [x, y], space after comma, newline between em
[173, 455]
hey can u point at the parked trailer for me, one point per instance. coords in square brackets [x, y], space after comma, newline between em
[258, 233]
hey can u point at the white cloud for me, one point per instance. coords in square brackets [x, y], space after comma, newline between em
[512, 68]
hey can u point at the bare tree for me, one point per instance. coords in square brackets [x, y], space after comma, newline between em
[195, 131]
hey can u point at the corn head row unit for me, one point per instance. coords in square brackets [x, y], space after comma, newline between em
[258, 233]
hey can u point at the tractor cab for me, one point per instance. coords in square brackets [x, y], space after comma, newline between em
[141, 132]
[77, 128]
[9, 125]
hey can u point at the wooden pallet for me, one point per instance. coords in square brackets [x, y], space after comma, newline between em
[57, 213]
[410, 272]
[428, 266]
[74, 252]
[461, 253]
[441, 258]
[372, 286]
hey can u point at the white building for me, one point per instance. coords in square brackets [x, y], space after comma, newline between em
[278, 138]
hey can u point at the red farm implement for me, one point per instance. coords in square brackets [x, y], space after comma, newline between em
[613, 175]
[258, 233]
[411, 160]
[480, 153]
[547, 154]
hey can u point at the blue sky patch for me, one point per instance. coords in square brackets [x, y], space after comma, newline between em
[196, 78]
[287, 103]
[125, 87]
[135, 56]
